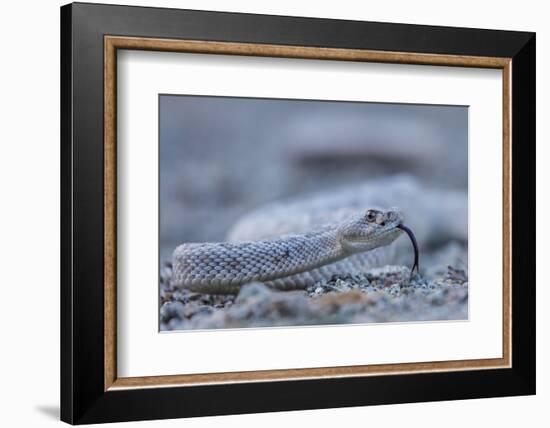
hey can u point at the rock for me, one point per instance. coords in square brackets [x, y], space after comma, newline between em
[456, 275]
[252, 290]
[172, 310]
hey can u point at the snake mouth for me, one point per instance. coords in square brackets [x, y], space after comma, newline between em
[414, 244]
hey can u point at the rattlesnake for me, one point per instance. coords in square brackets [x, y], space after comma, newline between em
[292, 244]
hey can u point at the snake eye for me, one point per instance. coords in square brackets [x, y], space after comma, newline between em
[371, 215]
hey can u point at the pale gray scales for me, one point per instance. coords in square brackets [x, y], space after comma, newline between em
[288, 262]
[293, 244]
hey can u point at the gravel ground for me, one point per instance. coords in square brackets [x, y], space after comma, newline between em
[388, 294]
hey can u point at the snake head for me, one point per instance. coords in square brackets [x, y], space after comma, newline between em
[371, 229]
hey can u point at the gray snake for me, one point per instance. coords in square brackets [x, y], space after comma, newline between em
[224, 267]
[295, 244]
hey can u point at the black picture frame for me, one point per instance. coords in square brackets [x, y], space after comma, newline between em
[83, 397]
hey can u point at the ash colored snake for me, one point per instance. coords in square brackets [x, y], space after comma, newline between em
[292, 261]
[294, 244]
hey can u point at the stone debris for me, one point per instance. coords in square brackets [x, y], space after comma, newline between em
[388, 294]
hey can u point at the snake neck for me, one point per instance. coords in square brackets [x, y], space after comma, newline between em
[300, 253]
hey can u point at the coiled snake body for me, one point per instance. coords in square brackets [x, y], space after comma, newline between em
[338, 236]
[288, 262]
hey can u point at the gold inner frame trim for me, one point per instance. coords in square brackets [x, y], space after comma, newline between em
[113, 43]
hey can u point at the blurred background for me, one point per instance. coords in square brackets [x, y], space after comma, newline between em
[221, 157]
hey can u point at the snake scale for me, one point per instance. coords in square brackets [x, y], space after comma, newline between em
[293, 244]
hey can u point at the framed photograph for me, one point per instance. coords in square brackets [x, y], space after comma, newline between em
[265, 213]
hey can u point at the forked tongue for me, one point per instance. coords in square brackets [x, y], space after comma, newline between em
[414, 243]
